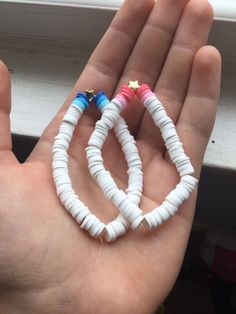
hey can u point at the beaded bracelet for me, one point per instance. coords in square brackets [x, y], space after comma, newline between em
[62, 180]
[97, 169]
[65, 191]
[176, 152]
[174, 147]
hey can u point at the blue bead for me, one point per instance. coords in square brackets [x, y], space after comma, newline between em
[101, 100]
[81, 100]
[97, 96]
[82, 95]
[103, 104]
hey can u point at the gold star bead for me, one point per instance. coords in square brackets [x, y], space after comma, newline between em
[89, 94]
[134, 85]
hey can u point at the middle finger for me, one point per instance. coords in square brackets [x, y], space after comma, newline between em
[149, 53]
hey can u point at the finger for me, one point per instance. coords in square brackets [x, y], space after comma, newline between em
[111, 55]
[192, 33]
[5, 107]
[198, 114]
[150, 51]
[149, 54]
[105, 65]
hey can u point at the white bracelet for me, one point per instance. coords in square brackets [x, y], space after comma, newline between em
[174, 147]
[95, 161]
[65, 191]
[62, 180]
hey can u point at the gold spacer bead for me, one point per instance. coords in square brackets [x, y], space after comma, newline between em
[89, 94]
[134, 85]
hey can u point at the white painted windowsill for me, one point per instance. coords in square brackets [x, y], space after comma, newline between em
[224, 9]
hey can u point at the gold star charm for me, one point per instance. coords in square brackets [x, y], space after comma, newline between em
[89, 94]
[134, 85]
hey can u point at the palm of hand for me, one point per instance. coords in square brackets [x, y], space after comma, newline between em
[43, 252]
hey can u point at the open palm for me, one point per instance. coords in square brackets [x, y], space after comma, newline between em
[47, 264]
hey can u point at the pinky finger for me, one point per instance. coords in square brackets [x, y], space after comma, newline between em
[198, 114]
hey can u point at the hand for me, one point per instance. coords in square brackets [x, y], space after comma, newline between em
[47, 264]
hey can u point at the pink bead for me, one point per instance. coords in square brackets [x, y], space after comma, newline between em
[144, 92]
[146, 96]
[122, 99]
[125, 95]
[127, 92]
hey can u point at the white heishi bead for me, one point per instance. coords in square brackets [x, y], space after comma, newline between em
[119, 197]
[158, 217]
[153, 219]
[72, 116]
[182, 191]
[74, 211]
[57, 150]
[123, 220]
[168, 133]
[150, 221]
[82, 214]
[63, 187]
[130, 210]
[113, 229]
[174, 198]
[189, 180]
[61, 143]
[91, 223]
[72, 204]
[77, 108]
[97, 229]
[95, 158]
[188, 169]
[95, 141]
[62, 180]
[133, 198]
[65, 195]
[163, 212]
[151, 102]
[110, 234]
[67, 128]
[88, 222]
[136, 223]
[170, 207]
[63, 136]
[60, 157]
[95, 169]
[59, 174]
[92, 151]
[115, 105]
[59, 164]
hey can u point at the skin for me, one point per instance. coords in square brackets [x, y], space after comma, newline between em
[47, 264]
